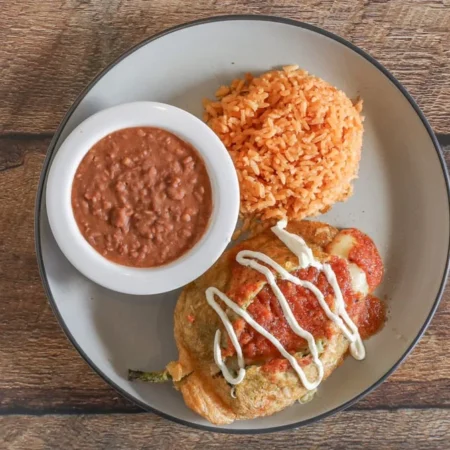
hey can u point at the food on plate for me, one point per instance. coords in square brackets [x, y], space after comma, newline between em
[295, 141]
[272, 319]
[142, 197]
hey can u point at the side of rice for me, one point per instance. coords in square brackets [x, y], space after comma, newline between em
[295, 141]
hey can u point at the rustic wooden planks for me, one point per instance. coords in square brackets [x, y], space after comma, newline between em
[51, 50]
[375, 430]
[49, 397]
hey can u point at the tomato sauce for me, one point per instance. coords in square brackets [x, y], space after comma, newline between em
[366, 256]
[372, 317]
[368, 314]
[266, 310]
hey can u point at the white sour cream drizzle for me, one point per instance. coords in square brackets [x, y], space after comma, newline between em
[306, 259]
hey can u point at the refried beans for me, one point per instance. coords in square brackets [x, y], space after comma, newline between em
[142, 197]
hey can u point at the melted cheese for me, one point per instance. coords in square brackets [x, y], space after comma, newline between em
[341, 246]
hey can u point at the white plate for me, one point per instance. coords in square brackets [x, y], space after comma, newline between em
[401, 200]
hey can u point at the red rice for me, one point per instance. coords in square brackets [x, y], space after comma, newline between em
[295, 141]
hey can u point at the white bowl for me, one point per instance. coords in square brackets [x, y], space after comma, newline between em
[130, 280]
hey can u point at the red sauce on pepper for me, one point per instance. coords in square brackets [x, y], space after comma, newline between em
[266, 310]
[366, 256]
[372, 317]
[244, 282]
[369, 314]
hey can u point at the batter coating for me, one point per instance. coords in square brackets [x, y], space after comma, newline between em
[270, 383]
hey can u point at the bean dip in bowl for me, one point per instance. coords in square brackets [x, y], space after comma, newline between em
[142, 198]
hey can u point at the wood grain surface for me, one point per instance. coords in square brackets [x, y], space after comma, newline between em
[49, 397]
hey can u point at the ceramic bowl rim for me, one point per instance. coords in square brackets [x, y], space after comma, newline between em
[134, 280]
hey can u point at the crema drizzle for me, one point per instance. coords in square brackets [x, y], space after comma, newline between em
[306, 259]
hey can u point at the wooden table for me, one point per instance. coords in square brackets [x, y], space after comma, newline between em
[49, 397]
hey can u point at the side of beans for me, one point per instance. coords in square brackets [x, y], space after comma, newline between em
[142, 197]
